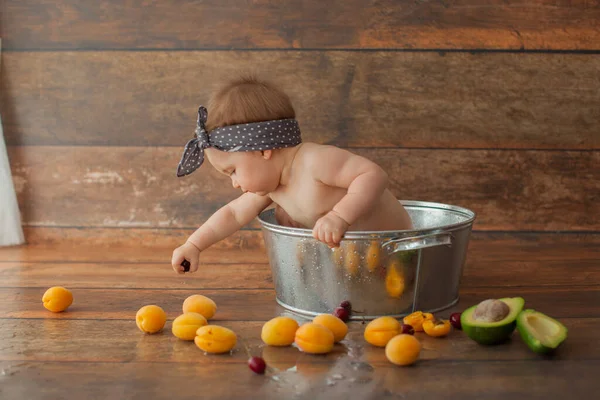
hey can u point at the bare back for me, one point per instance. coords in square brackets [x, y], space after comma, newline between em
[305, 200]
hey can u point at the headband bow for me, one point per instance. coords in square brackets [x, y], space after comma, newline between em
[254, 136]
[193, 155]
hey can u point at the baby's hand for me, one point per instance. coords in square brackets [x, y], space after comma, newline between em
[185, 252]
[330, 229]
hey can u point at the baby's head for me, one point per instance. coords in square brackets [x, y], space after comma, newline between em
[254, 165]
[245, 100]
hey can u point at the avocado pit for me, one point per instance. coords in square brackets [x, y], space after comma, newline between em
[491, 310]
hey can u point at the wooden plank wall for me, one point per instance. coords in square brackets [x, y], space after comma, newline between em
[493, 106]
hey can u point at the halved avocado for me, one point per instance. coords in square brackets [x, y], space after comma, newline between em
[492, 332]
[541, 333]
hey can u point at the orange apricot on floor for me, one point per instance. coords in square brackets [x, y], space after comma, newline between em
[215, 339]
[314, 339]
[381, 330]
[279, 331]
[201, 305]
[403, 349]
[57, 299]
[334, 324]
[185, 326]
[150, 319]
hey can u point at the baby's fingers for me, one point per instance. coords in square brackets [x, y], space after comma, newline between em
[316, 232]
[176, 264]
[194, 266]
[319, 234]
[336, 237]
[327, 238]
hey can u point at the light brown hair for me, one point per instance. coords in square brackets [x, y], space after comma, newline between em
[247, 99]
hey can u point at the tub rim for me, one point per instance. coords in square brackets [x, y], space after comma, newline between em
[371, 235]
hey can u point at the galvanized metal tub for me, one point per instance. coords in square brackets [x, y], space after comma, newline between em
[381, 273]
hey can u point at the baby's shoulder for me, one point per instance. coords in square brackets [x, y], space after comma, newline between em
[318, 151]
[312, 154]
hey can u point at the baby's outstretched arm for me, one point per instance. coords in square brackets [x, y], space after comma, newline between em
[223, 223]
[365, 182]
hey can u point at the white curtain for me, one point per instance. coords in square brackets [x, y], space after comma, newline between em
[11, 231]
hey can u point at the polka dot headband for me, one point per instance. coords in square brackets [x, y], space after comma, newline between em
[254, 136]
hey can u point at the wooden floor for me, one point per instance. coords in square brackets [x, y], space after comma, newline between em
[96, 351]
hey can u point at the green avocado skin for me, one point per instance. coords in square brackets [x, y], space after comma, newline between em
[489, 336]
[530, 340]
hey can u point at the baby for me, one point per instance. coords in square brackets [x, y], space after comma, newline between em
[250, 134]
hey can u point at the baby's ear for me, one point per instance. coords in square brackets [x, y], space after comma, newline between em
[267, 154]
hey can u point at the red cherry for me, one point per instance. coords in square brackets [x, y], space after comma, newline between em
[346, 304]
[408, 329]
[342, 313]
[455, 320]
[257, 365]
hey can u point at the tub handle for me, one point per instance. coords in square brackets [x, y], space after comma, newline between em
[419, 242]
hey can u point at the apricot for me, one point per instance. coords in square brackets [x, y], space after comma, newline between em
[185, 326]
[279, 331]
[334, 324]
[215, 339]
[403, 349]
[57, 299]
[201, 305]
[394, 281]
[436, 328]
[373, 256]
[314, 339]
[351, 259]
[416, 320]
[379, 331]
[338, 256]
[150, 319]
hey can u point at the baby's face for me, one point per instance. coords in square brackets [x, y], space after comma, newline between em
[249, 171]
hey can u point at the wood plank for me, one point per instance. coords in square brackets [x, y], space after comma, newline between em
[137, 240]
[260, 305]
[95, 341]
[127, 275]
[128, 245]
[383, 99]
[222, 252]
[105, 257]
[554, 261]
[530, 272]
[52, 244]
[68, 24]
[477, 273]
[99, 186]
[216, 380]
